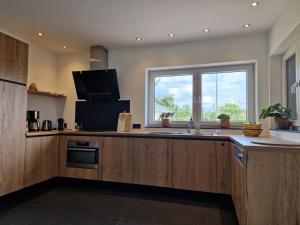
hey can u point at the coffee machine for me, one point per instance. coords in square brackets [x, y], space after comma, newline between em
[33, 120]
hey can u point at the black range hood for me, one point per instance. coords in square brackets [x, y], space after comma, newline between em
[97, 85]
[98, 93]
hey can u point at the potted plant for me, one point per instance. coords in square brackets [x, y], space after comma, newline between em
[165, 119]
[280, 114]
[224, 120]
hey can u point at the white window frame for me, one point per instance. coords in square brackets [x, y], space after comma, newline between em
[151, 80]
[196, 71]
[294, 50]
[250, 91]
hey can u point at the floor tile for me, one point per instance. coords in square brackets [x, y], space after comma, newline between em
[84, 206]
[135, 222]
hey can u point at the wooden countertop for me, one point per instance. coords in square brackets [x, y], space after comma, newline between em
[243, 141]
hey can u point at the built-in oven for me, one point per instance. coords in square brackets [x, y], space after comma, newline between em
[83, 154]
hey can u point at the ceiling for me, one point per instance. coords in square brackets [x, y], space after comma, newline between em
[79, 24]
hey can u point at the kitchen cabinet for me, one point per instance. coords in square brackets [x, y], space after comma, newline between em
[143, 161]
[152, 162]
[13, 104]
[194, 165]
[292, 201]
[265, 190]
[223, 150]
[117, 159]
[72, 172]
[13, 59]
[40, 159]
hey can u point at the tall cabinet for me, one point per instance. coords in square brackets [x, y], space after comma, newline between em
[13, 104]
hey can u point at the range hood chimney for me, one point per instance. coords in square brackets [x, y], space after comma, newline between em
[98, 58]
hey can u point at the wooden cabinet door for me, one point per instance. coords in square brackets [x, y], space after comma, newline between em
[152, 162]
[117, 159]
[239, 189]
[292, 201]
[40, 159]
[12, 141]
[13, 59]
[33, 164]
[194, 165]
[49, 151]
[223, 167]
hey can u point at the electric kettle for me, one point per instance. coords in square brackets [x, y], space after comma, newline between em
[47, 125]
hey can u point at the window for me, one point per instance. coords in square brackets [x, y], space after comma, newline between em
[291, 79]
[290, 75]
[201, 94]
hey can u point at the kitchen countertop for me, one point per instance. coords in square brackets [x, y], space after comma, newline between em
[243, 141]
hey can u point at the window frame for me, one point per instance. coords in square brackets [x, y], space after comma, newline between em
[197, 71]
[151, 92]
[294, 50]
[250, 91]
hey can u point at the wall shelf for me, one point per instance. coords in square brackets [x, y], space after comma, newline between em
[49, 94]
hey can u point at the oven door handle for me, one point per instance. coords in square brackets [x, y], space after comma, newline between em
[82, 149]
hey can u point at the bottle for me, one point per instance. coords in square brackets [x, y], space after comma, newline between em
[190, 125]
[197, 128]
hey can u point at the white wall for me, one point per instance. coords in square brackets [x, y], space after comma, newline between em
[67, 64]
[42, 68]
[131, 64]
[285, 24]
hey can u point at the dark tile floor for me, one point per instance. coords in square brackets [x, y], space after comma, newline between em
[89, 205]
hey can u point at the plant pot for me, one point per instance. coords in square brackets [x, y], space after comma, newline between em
[225, 124]
[165, 122]
[282, 123]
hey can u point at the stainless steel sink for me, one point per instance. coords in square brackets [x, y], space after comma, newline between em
[178, 133]
[167, 133]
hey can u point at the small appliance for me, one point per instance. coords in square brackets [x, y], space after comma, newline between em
[83, 154]
[60, 124]
[33, 120]
[47, 125]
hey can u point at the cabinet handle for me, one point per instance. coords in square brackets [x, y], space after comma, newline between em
[223, 144]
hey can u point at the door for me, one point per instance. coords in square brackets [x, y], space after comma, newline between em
[117, 159]
[13, 59]
[13, 104]
[194, 165]
[152, 162]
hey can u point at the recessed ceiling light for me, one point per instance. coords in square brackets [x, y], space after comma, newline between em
[138, 38]
[171, 35]
[205, 30]
[255, 3]
[40, 34]
[64, 47]
[247, 25]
